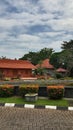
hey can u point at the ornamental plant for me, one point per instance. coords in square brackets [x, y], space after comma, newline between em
[6, 90]
[28, 88]
[55, 92]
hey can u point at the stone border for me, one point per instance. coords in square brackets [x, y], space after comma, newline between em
[36, 106]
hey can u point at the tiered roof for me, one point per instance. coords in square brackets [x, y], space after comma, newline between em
[45, 64]
[16, 64]
[61, 70]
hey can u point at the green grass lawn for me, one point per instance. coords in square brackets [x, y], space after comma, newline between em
[19, 100]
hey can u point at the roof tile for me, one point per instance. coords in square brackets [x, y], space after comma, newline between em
[16, 64]
[45, 64]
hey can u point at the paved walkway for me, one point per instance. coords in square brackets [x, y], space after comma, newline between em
[35, 119]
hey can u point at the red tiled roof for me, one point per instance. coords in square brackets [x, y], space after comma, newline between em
[16, 64]
[45, 64]
[61, 70]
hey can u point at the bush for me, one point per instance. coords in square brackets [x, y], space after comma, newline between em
[28, 88]
[6, 90]
[59, 75]
[55, 92]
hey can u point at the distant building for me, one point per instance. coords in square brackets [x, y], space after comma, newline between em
[16, 68]
[61, 70]
[45, 64]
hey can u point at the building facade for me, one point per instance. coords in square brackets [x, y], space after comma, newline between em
[15, 68]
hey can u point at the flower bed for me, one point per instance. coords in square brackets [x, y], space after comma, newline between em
[6, 90]
[55, 92]
[28, 88]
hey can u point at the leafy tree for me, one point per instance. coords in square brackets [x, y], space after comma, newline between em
[60, 59]
[67, 55]
[45, 53]
[67, 45]
[31, 56]
[36, 57]
[64, 58]
[55, 59]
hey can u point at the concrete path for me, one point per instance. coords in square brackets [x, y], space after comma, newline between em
[35, 119]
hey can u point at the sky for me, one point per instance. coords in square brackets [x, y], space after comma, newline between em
[31, 25]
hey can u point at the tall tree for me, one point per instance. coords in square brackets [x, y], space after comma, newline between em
[64, 58]
[67, 45]
[67, 55]
[55, 59]
[36, 57]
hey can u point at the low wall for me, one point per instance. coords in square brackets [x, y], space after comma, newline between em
[68, 93]
[40, 82]
[42, 91]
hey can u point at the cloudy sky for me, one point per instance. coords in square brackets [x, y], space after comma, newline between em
[30, 25]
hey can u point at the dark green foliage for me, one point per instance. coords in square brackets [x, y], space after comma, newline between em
[36, 57]
[28, 88]
[54, 59]
[59, 75]
[55, 92]
[22, 90]
[64, 58]
[67, 45]
[68, 56]
[6, 90]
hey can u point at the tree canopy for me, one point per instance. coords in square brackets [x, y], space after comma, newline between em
[67, 45]
[58, 59]
[36, 57]
[64, 58]
[67, 55]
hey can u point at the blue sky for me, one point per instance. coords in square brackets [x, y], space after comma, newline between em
[30, 25]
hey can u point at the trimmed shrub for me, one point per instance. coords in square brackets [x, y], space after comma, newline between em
[28, 88]
[6, 90]
[55, 92]
[59, 75]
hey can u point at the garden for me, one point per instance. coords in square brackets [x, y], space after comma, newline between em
[28, 94]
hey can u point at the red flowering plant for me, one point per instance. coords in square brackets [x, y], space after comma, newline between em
[6, 90]
[28, 88]
[55, 92]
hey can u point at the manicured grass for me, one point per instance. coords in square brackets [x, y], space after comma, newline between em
[53, 102]
[14, 99]
[19, 100]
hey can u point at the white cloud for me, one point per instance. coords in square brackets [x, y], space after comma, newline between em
[16, 35]
[62, 24]
[29, 38]
[3, 35]
[51, 5]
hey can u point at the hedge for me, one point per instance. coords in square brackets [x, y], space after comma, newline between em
[6, 90]
[28, 88]
[55, 92]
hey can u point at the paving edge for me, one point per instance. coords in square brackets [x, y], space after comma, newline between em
[36, 106]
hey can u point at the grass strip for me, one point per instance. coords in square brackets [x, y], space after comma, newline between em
[19, 100]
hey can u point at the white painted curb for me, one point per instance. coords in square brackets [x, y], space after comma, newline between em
[29, 106]
[9, 104]
[34, 106]
[50, 107]
[70, 108]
